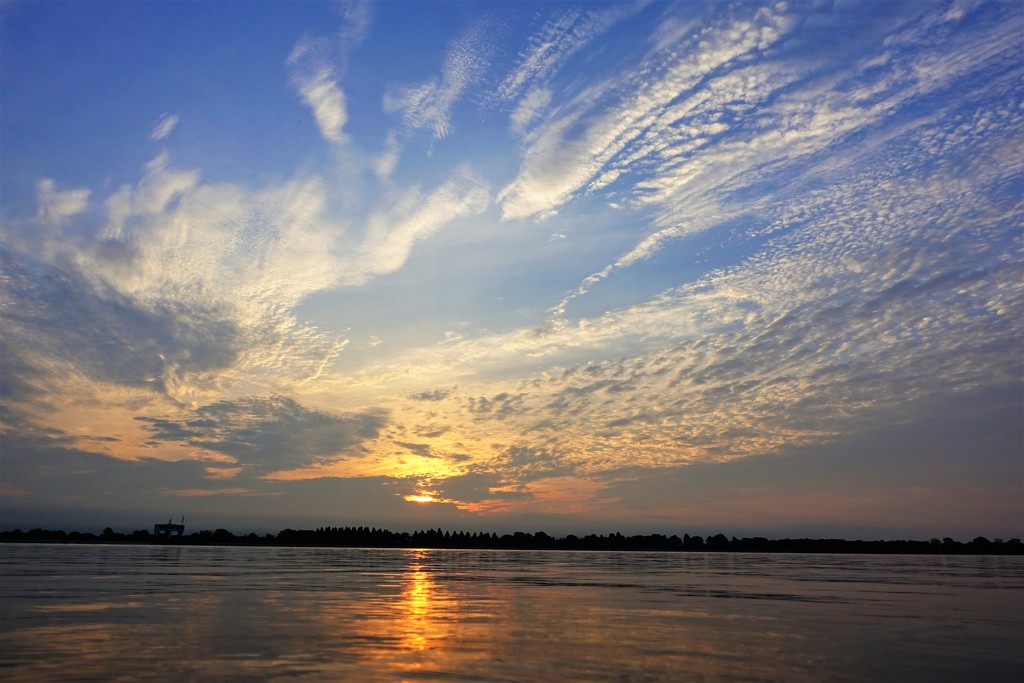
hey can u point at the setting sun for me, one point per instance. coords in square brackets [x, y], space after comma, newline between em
[420, 498]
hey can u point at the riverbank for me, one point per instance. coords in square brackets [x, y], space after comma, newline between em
[366, 537]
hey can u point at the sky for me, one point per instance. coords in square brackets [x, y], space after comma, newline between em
[703, 267]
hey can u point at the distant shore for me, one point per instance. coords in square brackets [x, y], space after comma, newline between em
[366, 537]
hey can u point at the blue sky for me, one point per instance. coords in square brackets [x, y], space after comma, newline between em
[740, 267]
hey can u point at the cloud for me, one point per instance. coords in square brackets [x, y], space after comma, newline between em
[53, 472]
[429, 105]
[505, 478]
[56, 206]
[164, 126]
[192, 493]
[558, 40]
[529, 108]
[524, 464]
[313, 76]
[497, 407]
[384, 165]
[60, 320]
[898, 470]
[509, 478]
[432, 394]
[476, 487]
[192, 283]
[269, 434]
[317, 64]
[699, 144]
[557, 164]
[890, 278]
[61, 486]
[391, 234]
[356, 18]
[152, 197]
[187, 289]
[321, 92]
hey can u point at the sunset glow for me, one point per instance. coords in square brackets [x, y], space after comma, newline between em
[657, 266]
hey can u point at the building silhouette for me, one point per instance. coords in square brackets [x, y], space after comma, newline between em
[168, 530]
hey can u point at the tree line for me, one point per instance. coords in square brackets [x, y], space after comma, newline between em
[367, 537]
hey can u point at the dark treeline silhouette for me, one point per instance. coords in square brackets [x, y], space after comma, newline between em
[366, 537]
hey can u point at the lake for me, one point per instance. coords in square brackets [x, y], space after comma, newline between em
[186, 613]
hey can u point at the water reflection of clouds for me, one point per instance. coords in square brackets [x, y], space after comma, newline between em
[87, 607]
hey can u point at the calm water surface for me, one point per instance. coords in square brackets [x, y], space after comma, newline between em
[125, 613]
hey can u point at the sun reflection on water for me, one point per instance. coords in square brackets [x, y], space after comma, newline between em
[416, 606]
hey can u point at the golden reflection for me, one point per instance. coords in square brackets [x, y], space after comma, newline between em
[417, 613]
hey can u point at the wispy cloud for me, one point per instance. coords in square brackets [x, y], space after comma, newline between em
[872, 292]
[706, 126]
[195, 284]
[558, 165]
[317, 65]
[429, 105]
[164, 126]
[386, 162]
[55, 206]
[314, 78]
[557, 41]
[356, 19]
[529, 108]
[392, 233]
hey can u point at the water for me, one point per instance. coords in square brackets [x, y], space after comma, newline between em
[127, 613]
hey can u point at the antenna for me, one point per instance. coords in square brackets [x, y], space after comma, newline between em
[183, 519]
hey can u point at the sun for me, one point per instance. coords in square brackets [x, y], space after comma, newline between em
[420, 498]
